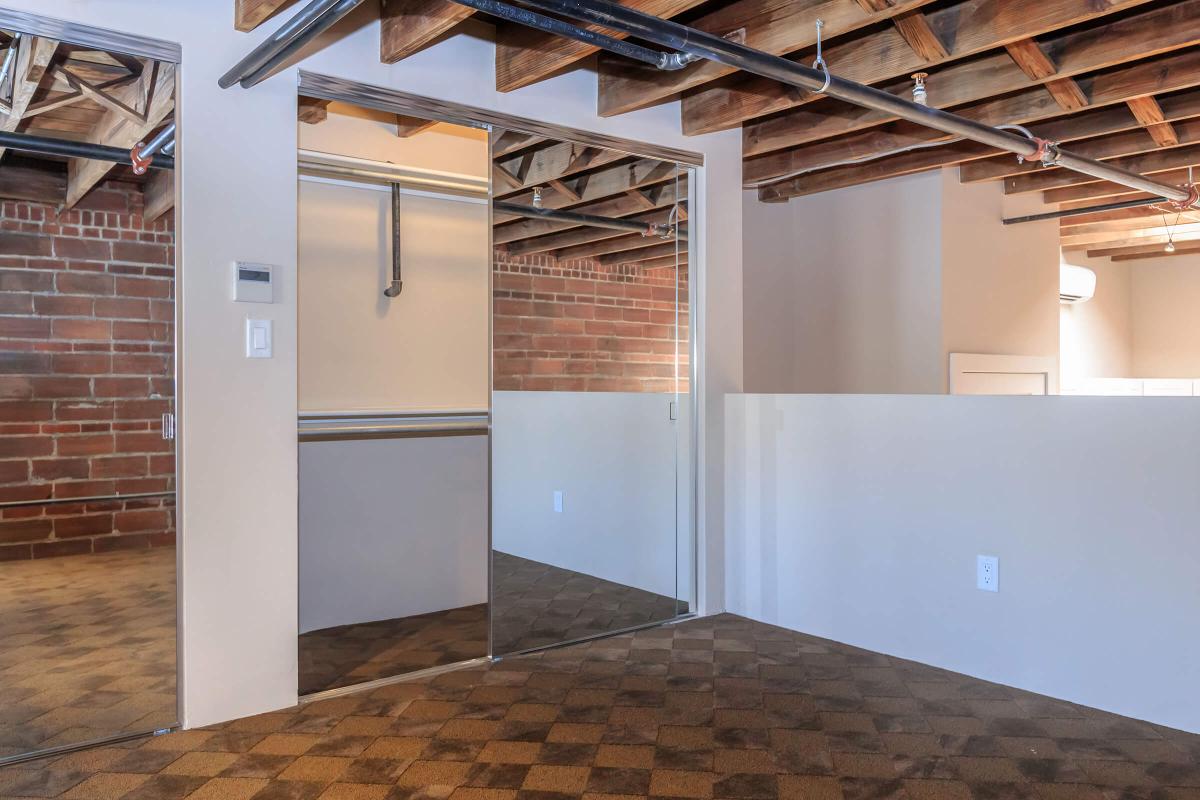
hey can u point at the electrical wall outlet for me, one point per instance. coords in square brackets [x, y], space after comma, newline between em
[987, 573]
[557, 501]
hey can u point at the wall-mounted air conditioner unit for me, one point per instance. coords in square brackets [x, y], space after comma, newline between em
[1075, 284]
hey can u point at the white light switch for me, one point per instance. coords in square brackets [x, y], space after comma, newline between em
[558, 501]
[258, 338]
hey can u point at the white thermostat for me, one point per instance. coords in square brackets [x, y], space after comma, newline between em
[253, 283]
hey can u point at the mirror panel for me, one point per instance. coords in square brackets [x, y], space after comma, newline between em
[588, 301]
[87, 454]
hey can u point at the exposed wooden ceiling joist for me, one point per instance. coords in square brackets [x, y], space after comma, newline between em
[526, 55]
[249, 14]
[159, 192]
[1150, 113]
[407, 126]
[656, 251]
[1162, 74]
[990, 24]
[406, 26]
[770, 25]
[312, 110]
[1145, 163]
[1079, 52]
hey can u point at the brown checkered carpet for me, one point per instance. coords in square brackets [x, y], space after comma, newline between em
[87, 647]
[718, 707]
[536, 605]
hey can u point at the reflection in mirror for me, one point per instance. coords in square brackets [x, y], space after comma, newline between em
[393, 386]
[591, 528]
[87, 461]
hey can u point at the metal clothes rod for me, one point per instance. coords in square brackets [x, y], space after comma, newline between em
[331, 165]
[333, 427]
[700, 44]
[308, 23]
[1078, 212]
[591, 220]
[54, 501]
[46, 145]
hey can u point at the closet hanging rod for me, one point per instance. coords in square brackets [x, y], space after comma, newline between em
[334, 427]
[313, 162]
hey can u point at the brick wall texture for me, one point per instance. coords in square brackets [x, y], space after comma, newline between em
[86, 350]
[582, 326]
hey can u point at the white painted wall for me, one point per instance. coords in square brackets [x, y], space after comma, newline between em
[868, 289]
[843, 289]
[858, 518]
[613, 455]
[424, 350]
[237, 446]
[999, 282]
[1096, 337]
[391, 528]
[1165, 300]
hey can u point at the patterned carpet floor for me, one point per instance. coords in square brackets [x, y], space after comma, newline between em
[87, 647]
[719, 707]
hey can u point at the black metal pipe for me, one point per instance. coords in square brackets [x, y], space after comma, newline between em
[49, 146]
[577, 218]
[1078, 212]
[308, 23]
[532, 19]
[397, 285]
[697, 43]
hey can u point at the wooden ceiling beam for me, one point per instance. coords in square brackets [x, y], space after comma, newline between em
[1155, 161]
[773, 26]
[526, 55]
[1132, 216]
[620, 206]
[312, 110]
[665, 261]
[407, 26]
[1105, 189]
[1179, 251]
[407, 126]
[29, 68]
[1149, 113]
[506, 142]
[922, 39]
[558, 242]
[1077, 52]
[249, 14]
[157, 85]
[1145, 236]
[1147, 250]
[1163, 74]
[1175, 109]
[621, 243]
[1034, 62]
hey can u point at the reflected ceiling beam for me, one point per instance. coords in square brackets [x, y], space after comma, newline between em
[35, 184]
[603, 183]
[156, 89]
[554, 162]
[506, 142]
[32, 58]
[249, 14]
[656, 250]
[407, 26]
[621, 206]
[159, 193]
[557, 242]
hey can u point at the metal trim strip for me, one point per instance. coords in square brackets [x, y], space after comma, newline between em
[100, 38]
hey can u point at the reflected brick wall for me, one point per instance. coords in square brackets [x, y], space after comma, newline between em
[86, 348]
[582, 326]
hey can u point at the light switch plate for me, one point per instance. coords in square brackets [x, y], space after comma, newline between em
[259, 338]
[558, 501]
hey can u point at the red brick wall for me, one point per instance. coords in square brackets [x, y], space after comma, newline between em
[86, 350]
[580, 326]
